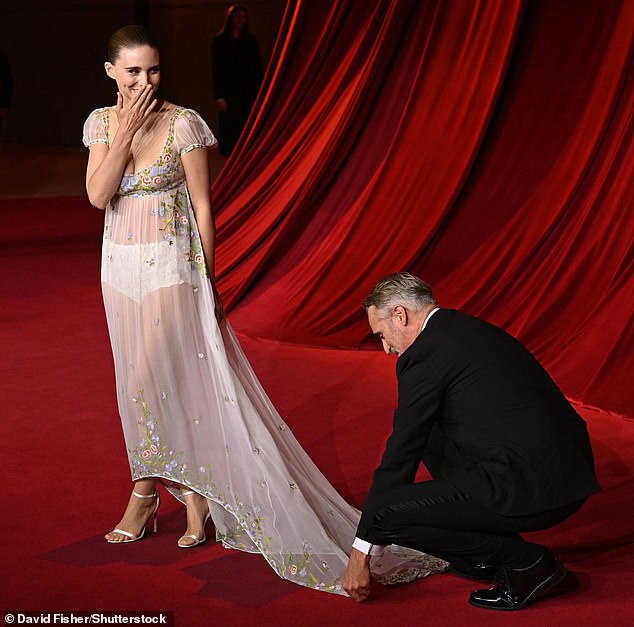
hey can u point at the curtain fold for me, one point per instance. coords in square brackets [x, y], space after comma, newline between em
[485, 145]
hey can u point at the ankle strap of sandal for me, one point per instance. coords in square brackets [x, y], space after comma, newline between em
[145, 496]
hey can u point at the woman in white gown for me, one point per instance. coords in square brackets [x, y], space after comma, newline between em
[194, 414]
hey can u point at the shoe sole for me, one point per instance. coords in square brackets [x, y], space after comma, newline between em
[546, 585]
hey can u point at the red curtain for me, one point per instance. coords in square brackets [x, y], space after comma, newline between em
[485, 145]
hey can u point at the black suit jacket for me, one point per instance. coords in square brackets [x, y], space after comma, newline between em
[481, 412]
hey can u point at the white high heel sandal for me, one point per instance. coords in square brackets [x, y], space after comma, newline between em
[193, 536]
[131, 537]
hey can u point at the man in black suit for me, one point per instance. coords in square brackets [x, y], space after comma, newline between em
[506, 451]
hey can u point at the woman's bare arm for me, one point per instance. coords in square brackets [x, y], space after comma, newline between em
[196, 165]
[106, 164]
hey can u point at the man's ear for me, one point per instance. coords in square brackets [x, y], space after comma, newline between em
[109, 69]
[399, 314]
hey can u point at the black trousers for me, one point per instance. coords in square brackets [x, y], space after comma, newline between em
[438, 519]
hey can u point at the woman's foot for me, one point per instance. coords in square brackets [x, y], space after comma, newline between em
[143, 504]
[197, 516]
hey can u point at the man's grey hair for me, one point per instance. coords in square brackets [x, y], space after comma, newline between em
[401, 288]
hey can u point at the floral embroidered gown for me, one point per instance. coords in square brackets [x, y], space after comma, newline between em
[193, 411]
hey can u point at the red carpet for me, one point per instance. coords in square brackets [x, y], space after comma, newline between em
[66, 480]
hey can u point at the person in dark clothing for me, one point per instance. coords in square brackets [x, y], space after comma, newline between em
[237, 75]
[6, 89]
[506, 451]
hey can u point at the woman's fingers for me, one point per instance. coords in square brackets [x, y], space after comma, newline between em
[140, 100]
[146, 96]
[135, 112]
[146, 101]
[150, 108]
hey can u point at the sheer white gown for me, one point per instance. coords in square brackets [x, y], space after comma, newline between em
[193, 411]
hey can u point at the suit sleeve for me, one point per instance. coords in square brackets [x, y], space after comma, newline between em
[419, 399]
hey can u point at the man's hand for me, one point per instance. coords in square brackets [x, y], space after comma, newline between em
[356, 580]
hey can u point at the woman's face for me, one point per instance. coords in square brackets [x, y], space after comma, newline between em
[134, 69]
[238, 19]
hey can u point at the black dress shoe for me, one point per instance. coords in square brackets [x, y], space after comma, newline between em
[515, 588]
[478, 572]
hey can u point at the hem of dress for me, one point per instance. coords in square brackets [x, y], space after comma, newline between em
[325, 588]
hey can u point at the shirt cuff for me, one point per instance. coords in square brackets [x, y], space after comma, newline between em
[367, 548]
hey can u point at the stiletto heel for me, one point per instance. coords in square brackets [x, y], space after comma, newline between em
[193, 536]
[131, 537]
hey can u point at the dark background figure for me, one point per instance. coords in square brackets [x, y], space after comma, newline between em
[237, 75]
[6, 89]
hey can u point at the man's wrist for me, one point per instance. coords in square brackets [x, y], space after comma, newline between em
[363, 546]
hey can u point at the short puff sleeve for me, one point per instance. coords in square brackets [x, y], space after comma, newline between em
[191, 131]
[96, 128]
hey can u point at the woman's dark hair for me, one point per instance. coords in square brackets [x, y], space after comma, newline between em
[131, 36]
[226, 29]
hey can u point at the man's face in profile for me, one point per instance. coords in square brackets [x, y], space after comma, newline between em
[389, 330]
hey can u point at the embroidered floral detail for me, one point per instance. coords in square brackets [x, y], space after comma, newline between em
[178, 224]
[252, 524]
[301, 568]
[202, 356]
[156, 322]
[151, 456]
[172, 209]
[164, 174]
